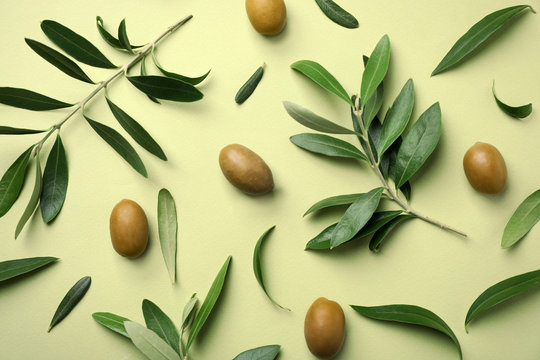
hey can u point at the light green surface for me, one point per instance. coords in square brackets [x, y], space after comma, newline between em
[419, 265]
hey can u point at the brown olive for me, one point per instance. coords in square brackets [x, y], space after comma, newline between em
[324, 328]
[268, 17]
[485, 168]
[129, 229]
[245, 170]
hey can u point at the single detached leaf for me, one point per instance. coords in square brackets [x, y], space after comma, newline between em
[110, 39]
[30, 100]
[409, 314]
[502, 291]
[112, 322]
[314, 121]
[168, 229]
[268, 352]
[143, 73]
[60, 61]
[34, 199]
[123, 37]
[418, 144]
[257, 268]
[376, 69]
[322, 77]
[166, 88]
[190, 80]
[157, 321]
[356, 216]
[383, 231]
[75, 45]
[12, 181]
[249, 86]
[519, 112]
[72, 298]
[13, 268]
[209, 302]
[7, 130]
[333, 201]
[477, 35]
[119, 144]
[524, 218]
[55, 182]
[337, 14]
[149, 343]
[327, 145]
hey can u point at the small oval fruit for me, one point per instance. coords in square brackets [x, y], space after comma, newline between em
[324, 328]
[245, 170]
[268, 17]
[129, 229]
[485, 168]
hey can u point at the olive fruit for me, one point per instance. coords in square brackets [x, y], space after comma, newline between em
[324, 328]
[485, 168]
[268, 17]
[129, 229]
[245, 170]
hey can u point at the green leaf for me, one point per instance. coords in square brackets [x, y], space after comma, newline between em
[409, 314]
[333, 201]
[356, 216]
[72, 298]
[322, 77]
[376, 69]
[149, 343]
[314, 121]
[209, 302]
[7, 130]
[157, 321]
[383, 231]
[13, 268]
[168, 229]
[111, 40]
[189, 312]
[477, 35]
[119, 144]
[257, 269]
[337, 14]
[112, 322]
[190, 80]
[34, 199]
[75, 45]
[12, 181]
[166, 88]
[327, 145]
[418, 144]
[249, 86]
[123, 37]
[30, 100]
[501, 292]
[524, 218]
[55, 182]
[60, 61]
[268, 352]
[373, 106]
[143, 73]
[519, 112]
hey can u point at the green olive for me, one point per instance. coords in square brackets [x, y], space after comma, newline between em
[324, 328]
[485, 168]
[245, 170]
[129, 229]
[268, 17]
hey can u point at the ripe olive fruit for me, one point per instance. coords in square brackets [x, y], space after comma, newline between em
[485, 168]
[129, 229]
[245, 170]
[324, 328]
[268, 17]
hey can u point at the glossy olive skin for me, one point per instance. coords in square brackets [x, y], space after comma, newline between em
[324, 328]
[245, 170]
[485, 168]
[268, 17]
[129, 229]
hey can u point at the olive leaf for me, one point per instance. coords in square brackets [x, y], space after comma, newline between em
[72, 298]
[34, 199]
[188, 315]
[112, 321]
[12, 181]
[373, 104]
[110, 39]
[166, 88]
[143, 73]
[337, 14]
[333, 201]
[123, 37]
[376, 69]
[313, 121]
[149, 343]
[168, 229]
[249, 86]
[30, 100]
[268, 352]
[8, 130]
[519, 112]
[381, 233]
[157, 321]
[524, 218]
[10, 269]
[190, 80]
[55, 182]
[327, 145]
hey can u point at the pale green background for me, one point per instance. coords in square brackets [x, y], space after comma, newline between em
[419, 264]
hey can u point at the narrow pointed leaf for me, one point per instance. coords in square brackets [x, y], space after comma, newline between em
[157, 321]
[166, 88]
[75, 45]
[12, 181]
[337, 14]
[268, 352]
[168, 229]
[55, 182]
[314, 121]
[333, 201]
[524, 218]
[72, 298]
[373, 106]
[123, 36]
[143, 73]
[34, 199]
[189, 312]
[409, 314]
[7, 130]
[119, 144]
[190, 80]
[249, 86]
[112, 322]
[60, 61]
[13, 268]
[477, 35]
[110, 39]
[376, 69]
[418, 144]
[322, 77]
[327, 145]
[149, 343]
[518, 112]
[381, 233]
[30, 100]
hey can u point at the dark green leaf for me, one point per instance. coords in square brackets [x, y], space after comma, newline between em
[249, 86]
[373, 106]
[406, 190]
[7, 130]
[168, 229]
[55, 182]
[268, 352]
[383, 231]
[333, 201]
[376, 69]
[62, 62]
[314, 121]
[519, 112]
[337, 14]
[149, 343]
[34, 199]
[112, 322]
[111, 40]
[524, 218]
[166, 88]
[186, 79]
[123, 36]
[13, 268]
[72, 298]
[477, 35]
[75, 45]
[30, 100]
[143, 73]
[327, 145]
[157, 321]
[12, 181]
